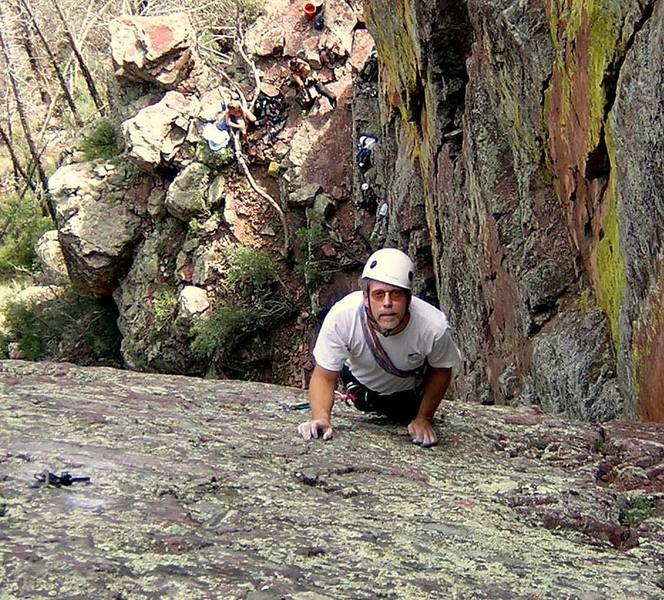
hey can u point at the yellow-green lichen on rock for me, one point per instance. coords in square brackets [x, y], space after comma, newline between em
[587, 36]
[571, 21]
[647, 345]
[395, 33]
[610, 263]
[229, 519]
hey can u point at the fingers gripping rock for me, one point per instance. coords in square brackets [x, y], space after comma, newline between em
[317, 429]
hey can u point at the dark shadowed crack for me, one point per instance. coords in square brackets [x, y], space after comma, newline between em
[598, 165]
[612, 74]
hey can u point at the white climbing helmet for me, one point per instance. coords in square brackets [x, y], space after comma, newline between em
[391, 266]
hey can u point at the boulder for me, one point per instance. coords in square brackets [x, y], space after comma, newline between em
[363, 46]
[341, 25]
[269, 90]
[200, 265]
[211, 103]
[208, 262]
[186, 196]
[192, 301]
[215, 194]
[230, 215]
[267, 38]
[304, 196]
[159, 133]
[156, 204]
[323, 205]
[98, 217]
[573, 368]
[51, 259]
[156, 49]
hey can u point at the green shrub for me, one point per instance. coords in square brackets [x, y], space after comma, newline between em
[194, 225]
[223, 331]
[24, 327]
[311, 271]
[229, 326]
[69, 327]
[309, 238]
[102, 142]
[251, 271]
[256, 307]
[24, 226]
[636, 510]
[537, 444]
[164, 303]
[251, 9]
[607, 447]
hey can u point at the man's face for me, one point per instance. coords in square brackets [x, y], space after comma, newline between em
[388, 303]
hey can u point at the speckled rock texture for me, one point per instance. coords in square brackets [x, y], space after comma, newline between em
[200, 489]
[538, 130]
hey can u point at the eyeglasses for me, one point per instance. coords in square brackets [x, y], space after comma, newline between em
[395, 295]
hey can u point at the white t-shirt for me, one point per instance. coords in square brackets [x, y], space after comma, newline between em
[426, 337]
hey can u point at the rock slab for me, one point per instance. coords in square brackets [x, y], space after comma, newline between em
[200, 489]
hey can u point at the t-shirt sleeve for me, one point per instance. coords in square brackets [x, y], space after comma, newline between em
[330, 351]
[445, 353]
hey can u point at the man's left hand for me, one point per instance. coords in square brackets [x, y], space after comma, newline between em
[422, 433]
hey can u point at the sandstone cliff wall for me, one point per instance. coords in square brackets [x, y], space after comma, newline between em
[536, 130]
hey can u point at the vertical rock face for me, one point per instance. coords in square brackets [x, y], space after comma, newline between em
[537, 130]
[388, 194]
[638, 167]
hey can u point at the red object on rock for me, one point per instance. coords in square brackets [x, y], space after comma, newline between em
[309, 10]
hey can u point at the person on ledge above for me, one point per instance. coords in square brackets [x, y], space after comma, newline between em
[239, 116]
[393, 351]
[307, 81]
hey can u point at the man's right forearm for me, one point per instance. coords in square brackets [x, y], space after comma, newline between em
[321, 393]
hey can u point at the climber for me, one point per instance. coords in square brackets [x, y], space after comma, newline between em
[393, 351]
[365, 146]
[305, 80]
[239, 116]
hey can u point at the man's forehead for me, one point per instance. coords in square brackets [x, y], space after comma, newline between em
[379, 285]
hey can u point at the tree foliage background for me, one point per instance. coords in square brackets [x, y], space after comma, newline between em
[55, 63]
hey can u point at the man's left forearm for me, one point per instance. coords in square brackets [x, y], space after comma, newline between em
[437, 382]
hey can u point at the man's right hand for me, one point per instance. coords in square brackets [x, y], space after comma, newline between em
[319, 429]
